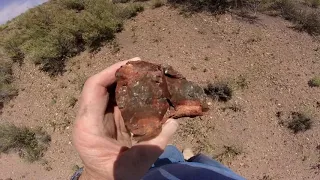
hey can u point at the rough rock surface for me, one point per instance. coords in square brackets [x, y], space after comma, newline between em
[145, 92]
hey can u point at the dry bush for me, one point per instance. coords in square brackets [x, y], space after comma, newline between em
[313, 3]
[304, 18]
[220, 91]
[29, 143]
[157, 3]
[296, 122]
[314, 82]
[309, 22]
[72, 101]
[215, 6]
[299, 122]
[7, 90]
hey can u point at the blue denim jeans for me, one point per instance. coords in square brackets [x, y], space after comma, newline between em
[172, 155]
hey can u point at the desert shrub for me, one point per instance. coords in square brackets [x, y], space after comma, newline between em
[157, 3]
[284, 8]
[199, 5]
[29, 143]
[131, 11]
[7, 90]
[78, 5]
[13, 50]
[72, 101]
[120, 1]
[304, 19]
[220, 91]
[57, 30]
[314, 82]
[299, 122]
[214, 6]
[296, 122]
[309, 22]
[313, 3]
[5, 72]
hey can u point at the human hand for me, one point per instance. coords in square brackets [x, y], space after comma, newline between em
[100, 136]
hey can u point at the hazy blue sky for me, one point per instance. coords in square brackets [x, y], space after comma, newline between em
[12, 8]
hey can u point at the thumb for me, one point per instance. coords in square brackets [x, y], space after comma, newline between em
[168, 130]
[139, 158]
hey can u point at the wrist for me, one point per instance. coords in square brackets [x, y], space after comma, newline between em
[86, 176]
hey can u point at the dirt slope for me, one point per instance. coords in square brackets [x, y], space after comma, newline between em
[275, 61]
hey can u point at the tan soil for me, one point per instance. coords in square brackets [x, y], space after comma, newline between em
[276, 61]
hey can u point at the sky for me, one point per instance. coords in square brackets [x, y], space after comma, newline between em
[12, 8]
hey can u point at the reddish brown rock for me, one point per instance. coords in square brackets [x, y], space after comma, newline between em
[144, 93]
[187, 98]
[141, 95]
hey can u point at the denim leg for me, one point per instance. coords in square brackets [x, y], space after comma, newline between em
[203, 159]
[170, 155]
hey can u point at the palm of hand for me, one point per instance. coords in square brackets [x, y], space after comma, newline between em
[102, 140]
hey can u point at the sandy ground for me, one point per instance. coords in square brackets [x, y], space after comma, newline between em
[275, 61]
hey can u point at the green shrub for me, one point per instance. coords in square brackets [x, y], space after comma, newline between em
[120, 1]
[314, 82]
[78, 5]
[313, 3]
[214, 6]
[131, 10]
[30, 144]
[57, 30]
[310, 23]
[157, 3]
[7, 91]
[304, 19]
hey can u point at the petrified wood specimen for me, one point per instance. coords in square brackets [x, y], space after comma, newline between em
[148, 94]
